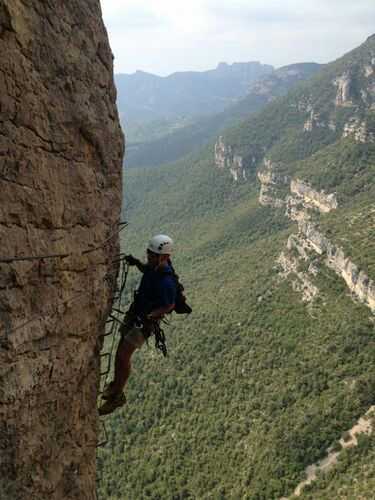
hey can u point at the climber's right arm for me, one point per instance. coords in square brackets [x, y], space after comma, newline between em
[132, 261]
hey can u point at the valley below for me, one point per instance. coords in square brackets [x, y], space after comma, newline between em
[268, 380]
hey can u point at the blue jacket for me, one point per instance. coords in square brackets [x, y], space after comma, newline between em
[157, 289]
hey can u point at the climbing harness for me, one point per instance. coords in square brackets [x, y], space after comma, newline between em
[150, 328]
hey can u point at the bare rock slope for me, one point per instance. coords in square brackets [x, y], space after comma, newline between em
[61, 151]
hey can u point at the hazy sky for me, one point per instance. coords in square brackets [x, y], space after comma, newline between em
[163, 36]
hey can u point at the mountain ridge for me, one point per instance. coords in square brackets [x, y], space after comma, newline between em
[143, 97]
[222, 67]
[191, 137]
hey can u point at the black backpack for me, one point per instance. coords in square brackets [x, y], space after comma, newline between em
[181, 307]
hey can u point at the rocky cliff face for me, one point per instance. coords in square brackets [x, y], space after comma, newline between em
[225, 158]
[343, 84]
[272, 185]
[60, 166]
[303, 204]
[277, 82]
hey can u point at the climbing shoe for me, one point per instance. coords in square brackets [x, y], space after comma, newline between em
[115, 401]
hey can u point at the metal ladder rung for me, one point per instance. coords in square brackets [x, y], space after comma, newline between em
[115, 319]
[117, 310]
[106, 334]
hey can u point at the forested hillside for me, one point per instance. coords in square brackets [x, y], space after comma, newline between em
[276, 363]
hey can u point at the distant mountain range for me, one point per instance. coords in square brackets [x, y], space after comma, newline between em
[146, 97]
[189, 138]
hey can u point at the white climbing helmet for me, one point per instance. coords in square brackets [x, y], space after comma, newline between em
[161, 244]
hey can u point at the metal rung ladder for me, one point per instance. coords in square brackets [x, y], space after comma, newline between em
[112, 326]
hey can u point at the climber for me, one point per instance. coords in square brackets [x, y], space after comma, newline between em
[155, 297]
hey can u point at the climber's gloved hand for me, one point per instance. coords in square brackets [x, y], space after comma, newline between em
[132, 261]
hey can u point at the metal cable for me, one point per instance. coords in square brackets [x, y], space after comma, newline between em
[8, 260]
[72, 298]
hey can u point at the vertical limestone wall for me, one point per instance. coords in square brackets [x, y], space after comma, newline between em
[61, 151]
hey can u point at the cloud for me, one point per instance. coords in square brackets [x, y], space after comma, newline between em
[163, 36]
[130, 17]
[177, 17]
[292, 14]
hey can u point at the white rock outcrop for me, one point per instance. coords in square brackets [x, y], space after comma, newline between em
[300, 282]
[359, 131]
[225, 158]
[236, 168]
[271, 185]
[299, 193]
[313, 121]
[362, 287]
[300, 202]
[369, 69]
[311, 198]
[221, 153]
[343, 84]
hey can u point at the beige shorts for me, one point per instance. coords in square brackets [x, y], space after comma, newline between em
[134, 336]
